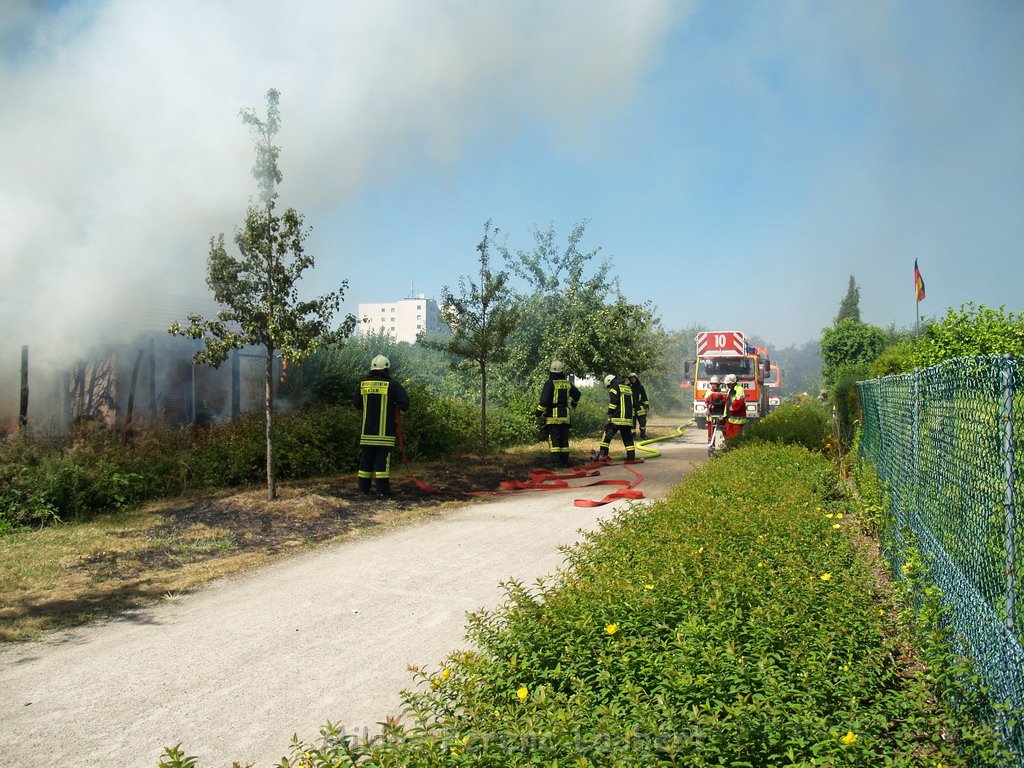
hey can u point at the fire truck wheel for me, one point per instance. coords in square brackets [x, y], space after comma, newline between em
[702, 423]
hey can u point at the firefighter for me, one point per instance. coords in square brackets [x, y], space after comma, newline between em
[714, 404]
[620, 417]
[736, 407]
[378, 396]
[641, 404]
[558, 396]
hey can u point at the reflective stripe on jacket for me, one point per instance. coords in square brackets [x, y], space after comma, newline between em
[556, 397]
[620, 404]
[377, 396]
[737, 405]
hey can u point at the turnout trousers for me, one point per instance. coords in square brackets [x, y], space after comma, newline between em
[375, 462]
[626, 430]
[558, 444]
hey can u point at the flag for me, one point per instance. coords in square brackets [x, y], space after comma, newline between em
[918, 282]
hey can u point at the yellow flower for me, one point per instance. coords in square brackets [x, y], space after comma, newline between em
[826, 577]
[446, 673]
[611, 629]
[523, 693]
[839, 515]
[761, 564]
[648, 586]
[829, 515]
[849, 738]
[881, 612]
[836, 525]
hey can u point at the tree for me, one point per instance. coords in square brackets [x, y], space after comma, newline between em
[849, 308]
[582, 319]
[259, 289]
[481, 318]
[848, 349]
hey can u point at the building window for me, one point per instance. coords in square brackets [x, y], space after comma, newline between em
[419, 317]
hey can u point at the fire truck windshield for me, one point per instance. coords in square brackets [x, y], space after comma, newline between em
[741, 367]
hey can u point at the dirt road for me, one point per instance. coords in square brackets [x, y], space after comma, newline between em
[236, 668]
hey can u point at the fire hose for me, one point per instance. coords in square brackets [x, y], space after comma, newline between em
[550, 480]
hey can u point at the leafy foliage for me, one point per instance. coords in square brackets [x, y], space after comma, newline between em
[576, 314]
[849, 308]
[972, 330]
[259, 290]
[803, 422]
[848, 348]
[735, 623]
[481, 318]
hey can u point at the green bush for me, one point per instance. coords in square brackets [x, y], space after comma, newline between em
[734, 624]
[802, 422]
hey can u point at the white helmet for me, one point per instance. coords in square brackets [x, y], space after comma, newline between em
[632, 376]
[380, 363]
[556, 366]
[730, 378]
[714, 380]
[609, 379]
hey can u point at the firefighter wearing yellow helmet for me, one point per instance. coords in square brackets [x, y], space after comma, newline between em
[620, 417]
[558, 397]
[378, 397]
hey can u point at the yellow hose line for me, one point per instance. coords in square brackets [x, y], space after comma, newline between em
[653, 453]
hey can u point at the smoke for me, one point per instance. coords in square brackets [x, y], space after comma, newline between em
[124, 152]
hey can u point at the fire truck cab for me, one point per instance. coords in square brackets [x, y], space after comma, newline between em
[720, 353]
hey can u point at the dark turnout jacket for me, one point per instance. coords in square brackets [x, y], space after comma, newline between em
[556, 397]
[377, 396]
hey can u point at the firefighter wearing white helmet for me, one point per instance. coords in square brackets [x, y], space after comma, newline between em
[736, 407]
[641, 404]
[379, 397]
[620, 417]
[714, 404]
[558, 397]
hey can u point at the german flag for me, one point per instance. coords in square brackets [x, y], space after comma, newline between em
[918, 282]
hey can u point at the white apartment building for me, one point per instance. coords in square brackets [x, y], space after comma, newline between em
[402, 319]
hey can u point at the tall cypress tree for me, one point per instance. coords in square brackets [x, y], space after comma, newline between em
[849, 309]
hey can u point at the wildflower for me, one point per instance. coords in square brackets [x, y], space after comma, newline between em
[881, 612]
[523, 693]
[760, 564]
[446, 673]
[611, 629]
[839, 515]
[848, 739]
[648, 586]
[829, 515]
[826, 577]
[836, 525]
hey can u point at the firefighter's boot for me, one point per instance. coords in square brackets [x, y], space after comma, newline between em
[384, 487]
[364, 484]
[643, 434]
[630, 454]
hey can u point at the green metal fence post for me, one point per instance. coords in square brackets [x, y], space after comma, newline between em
[1009, 502]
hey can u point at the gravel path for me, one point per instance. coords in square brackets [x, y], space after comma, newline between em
[235, 669]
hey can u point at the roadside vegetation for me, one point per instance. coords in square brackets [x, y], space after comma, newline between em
[744, 621]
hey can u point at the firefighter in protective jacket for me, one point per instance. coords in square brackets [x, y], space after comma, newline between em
[620, 417]
[378, 396]
[558, 397]
[736, 407]
[641, 404]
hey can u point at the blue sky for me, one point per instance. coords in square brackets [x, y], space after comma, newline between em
[737, 161]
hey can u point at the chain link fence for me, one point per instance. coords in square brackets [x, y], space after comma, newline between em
[947, 443]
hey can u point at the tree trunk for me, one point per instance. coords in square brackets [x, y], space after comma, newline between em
[269, 411]
[23, 409]
[131, 388]
[483, 405]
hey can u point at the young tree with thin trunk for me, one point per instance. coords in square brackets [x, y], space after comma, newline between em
[481, 318]
[259, 289]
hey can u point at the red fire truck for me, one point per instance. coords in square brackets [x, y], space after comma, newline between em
[720, 353]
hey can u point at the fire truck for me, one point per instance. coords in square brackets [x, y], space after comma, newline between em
[720, 353]
[774, 388]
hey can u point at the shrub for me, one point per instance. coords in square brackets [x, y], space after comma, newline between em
[803, 422]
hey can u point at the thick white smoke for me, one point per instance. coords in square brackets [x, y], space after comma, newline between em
[123, 151]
